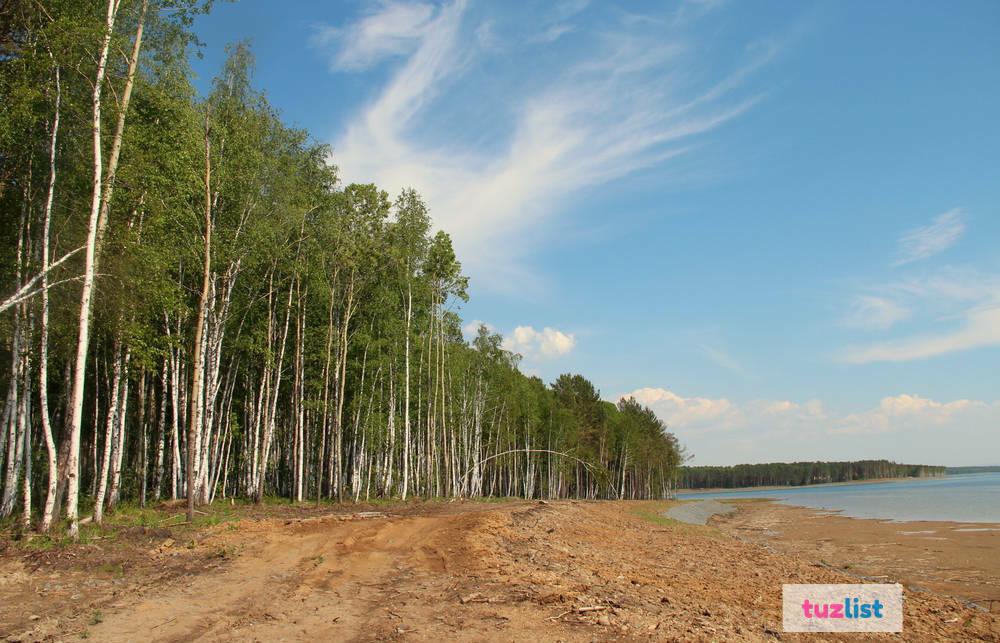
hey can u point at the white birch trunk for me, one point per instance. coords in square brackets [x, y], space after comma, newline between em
[87, 292]
[109, 436]
[43, 351]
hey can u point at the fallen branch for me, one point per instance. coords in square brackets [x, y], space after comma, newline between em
[169, 620]
[597, 473]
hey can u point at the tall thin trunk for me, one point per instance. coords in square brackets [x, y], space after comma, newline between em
[326, 398]
[161, 431]
[111, 422]
[87, 292]
[406, 392]
[43, 351]
[338, 424]
[197, 395]
[116, 141]
[144, 439]
[119, 446]
[175, 415]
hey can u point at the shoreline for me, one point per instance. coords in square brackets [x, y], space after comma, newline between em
[958, 559]
[680, 493]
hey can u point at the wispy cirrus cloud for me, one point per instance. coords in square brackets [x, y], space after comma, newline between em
[936, 237]
[871, 312]
[954, 309]
[958, 310]
[553, 33]
[394, 29]
[980, 328]
[722, 357]
[626, 101]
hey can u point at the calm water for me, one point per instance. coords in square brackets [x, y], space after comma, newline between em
[973, 497]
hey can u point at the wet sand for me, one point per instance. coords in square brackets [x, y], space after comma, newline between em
[951, 558]
[699, 512]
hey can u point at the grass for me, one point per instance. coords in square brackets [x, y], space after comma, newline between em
[170, 516]
[125, 517]
[111, 569]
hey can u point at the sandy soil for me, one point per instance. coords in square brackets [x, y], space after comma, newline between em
[957, 559]
[571, 571]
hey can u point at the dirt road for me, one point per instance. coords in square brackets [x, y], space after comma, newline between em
[571, 571]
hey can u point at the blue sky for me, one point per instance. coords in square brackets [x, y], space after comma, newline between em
[775, 223]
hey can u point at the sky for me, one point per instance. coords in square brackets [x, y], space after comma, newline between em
[777, 224]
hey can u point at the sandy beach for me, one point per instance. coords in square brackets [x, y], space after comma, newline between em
[509, 571]
[958, 559]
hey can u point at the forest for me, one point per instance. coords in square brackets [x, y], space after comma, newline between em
[193, 306]
[799, 473]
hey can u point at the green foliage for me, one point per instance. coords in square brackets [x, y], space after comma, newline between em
[353, 293]
[800, 473]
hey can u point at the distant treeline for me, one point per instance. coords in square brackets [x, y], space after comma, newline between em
[800, 473]
[960, 470]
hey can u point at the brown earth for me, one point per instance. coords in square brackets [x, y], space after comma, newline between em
[952, 558]
[571, 571]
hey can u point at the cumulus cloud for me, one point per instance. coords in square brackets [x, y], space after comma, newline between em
[909, 412]
[926, 241]
[627, 102]
[893, 413]
[547, 343]
[471, 329]
[689, 412]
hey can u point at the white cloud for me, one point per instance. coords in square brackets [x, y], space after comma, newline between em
[471, 329]
[980, 329]
[553, 33]
[718, 430]
[688, 412]
[942, 233]
[894, 413]
[965, 302]
[486, 37]
[569, 8]
[621, 108]
[875, 313]
[722, 358]
[908, 413]
[547, 343]
[394, 30]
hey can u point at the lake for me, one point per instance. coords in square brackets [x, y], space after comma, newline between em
[973, 497]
